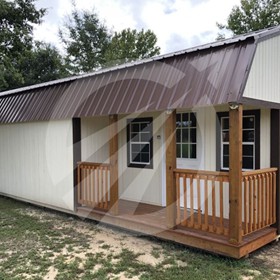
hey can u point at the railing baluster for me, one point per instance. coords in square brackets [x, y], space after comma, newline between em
[213, 203]
[90, 187]
[79, 182]
[102, 187]
[221, 186]
[106, 187]
[254, 203]
[258, 200]
[270, 198]
[191, 202]
[206, 203]
[185, 222]
[263, 200]
[178, 220]
[198, 201]
[93, 184]
[267, 198]
[86, 186]
[246, 205]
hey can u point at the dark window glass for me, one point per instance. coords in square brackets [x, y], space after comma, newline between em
[248, 150]
[192, 120]
[178, 135]
[178, 150]
[193, 135]
[248, 122]
[226, 149]
[135, 137]
[226, 161]
[178, 120]
[139, 132]
[185, 150]
[145, 157]
[186, 135]
[248, 135]
[225, 135]
[135, 127]
[225, 123]
[135, 148]
[192, 151]
[145, 137]
[248, 162]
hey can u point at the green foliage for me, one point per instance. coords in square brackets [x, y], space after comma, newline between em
[90, 45]
[16, 24]
[22, 61]
[252, 15]
[16, 27]
[85, 40]
[129, 45]
[42, 64]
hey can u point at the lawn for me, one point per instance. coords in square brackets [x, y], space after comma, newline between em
[36, 243]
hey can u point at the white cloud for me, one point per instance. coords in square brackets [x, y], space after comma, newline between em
[178, 24]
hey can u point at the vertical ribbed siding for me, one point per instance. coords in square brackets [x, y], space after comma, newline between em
[263, 82]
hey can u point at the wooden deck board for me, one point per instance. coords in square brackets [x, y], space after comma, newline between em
[151, 220]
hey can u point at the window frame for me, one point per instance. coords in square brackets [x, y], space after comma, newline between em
[130, 162]
[219, 142]
[188, 129]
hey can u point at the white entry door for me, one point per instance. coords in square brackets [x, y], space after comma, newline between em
[190, 152]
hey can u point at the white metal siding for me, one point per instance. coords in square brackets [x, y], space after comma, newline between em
[138, 184]
[95, 137]
[263, 82]
[36, 162]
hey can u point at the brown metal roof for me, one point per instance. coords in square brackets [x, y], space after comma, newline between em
[208, 75]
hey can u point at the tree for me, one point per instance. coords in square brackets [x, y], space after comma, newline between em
[252, 15]
[42, 64]
[130, 45]
[22, 61]
[90, 45]
[85, 40]
[16, 26]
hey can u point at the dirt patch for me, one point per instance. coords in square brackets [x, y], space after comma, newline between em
[270, 257]
[41, 244]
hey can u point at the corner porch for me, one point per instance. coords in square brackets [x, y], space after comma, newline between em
[205, 228]
[230, 213]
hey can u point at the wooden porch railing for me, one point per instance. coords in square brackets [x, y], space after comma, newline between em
[203, 200]
[259, 199]
[200, 200]
[94, 185]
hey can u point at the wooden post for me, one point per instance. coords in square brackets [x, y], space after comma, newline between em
[235, 173]
[170, 142]
[114, 176]
[275, 157]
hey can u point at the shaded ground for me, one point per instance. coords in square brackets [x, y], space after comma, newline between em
[43, 244]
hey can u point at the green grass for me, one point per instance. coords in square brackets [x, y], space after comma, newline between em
[31, 244]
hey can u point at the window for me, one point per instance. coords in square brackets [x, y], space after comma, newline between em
[186, 135]
[250, 140]
[140, 145]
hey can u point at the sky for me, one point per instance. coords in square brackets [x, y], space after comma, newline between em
[178, 24]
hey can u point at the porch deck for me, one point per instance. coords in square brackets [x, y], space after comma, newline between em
[151, 220]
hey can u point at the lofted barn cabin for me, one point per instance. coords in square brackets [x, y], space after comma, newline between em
[183, 146]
